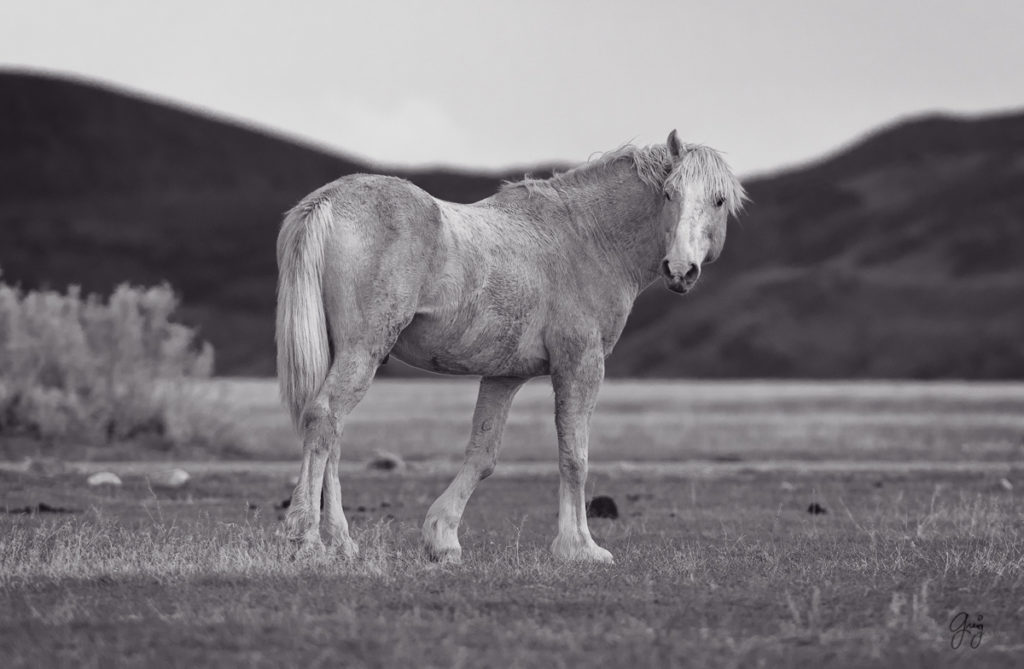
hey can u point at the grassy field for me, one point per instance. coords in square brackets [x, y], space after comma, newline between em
[667, 420]
[718, 562]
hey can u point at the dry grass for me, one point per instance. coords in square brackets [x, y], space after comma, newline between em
[719, 566]
[714, 572]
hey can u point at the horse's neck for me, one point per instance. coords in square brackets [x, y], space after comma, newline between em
[622, 216]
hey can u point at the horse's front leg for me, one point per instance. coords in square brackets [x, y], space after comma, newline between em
[441, 528]
[576, 378]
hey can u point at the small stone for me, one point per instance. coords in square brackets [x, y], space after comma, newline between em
[602, 506]
[385, 461]
[104, 478]
[787, 486]
[1005, 483]
[171, 478]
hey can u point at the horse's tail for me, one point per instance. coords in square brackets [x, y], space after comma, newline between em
[303, 347]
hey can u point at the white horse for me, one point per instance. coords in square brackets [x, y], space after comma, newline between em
[536, 280]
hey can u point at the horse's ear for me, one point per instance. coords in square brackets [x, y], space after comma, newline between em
[675, 147]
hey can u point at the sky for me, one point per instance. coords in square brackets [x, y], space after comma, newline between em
[478, 84]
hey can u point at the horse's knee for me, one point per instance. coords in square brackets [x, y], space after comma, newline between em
[483, 467]
[320, 427]
[486, 469]
[483, 461]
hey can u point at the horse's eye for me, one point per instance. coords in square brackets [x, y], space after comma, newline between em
[719, 202]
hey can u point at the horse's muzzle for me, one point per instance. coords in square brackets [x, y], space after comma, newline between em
[678, 282]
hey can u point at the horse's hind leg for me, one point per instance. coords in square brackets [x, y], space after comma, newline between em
[441, 528]
[347, 381]
[336, 525]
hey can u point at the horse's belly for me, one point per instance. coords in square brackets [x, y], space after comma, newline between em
[484, 344]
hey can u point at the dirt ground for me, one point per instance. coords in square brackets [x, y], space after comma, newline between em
[759, 524]
[721, 565]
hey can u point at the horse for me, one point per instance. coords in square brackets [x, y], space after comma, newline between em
[536, 280]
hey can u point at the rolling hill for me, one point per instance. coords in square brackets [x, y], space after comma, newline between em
[900, 256]
[99, 187]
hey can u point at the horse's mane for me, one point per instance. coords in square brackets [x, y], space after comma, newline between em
[653, 164]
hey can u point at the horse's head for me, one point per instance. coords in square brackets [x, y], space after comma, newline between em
[700, 193]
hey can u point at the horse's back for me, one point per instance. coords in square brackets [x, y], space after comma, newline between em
[374, 199]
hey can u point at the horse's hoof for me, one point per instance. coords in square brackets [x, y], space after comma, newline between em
[447, 555]
[308, 551]
[583, 552]
[346, 550]
[441, 540]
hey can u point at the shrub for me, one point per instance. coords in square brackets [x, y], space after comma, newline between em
[104, 371]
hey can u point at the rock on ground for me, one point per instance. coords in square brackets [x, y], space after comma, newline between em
[170, 478]
[104, 478]
[602, 506]
[386, 461]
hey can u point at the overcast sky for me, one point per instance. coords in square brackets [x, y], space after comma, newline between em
[480, 84]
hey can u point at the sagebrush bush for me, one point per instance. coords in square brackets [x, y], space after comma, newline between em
[103, 371]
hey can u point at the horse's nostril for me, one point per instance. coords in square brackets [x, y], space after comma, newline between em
[692, 273]
[665, 269]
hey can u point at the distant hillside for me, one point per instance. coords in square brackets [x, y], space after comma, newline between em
[900, 256]
[99, 187]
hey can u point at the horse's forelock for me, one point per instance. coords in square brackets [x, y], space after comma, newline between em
[705, 166]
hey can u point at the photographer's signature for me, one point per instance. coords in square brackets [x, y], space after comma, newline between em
[963, 628]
